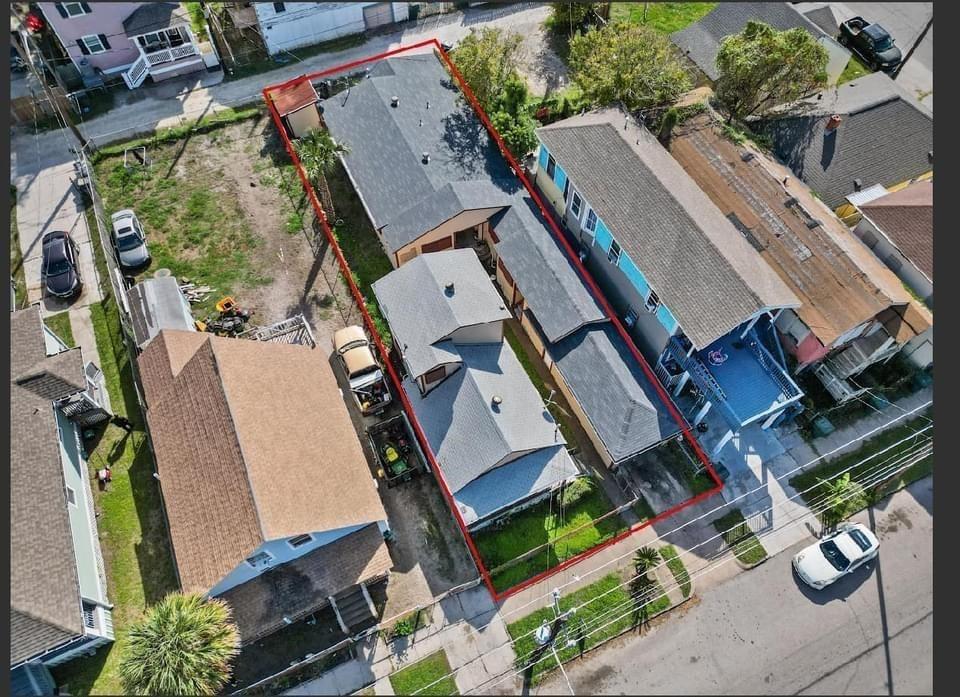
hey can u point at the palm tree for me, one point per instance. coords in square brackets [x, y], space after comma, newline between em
[184, 646]
[318, 152]
[645, 559]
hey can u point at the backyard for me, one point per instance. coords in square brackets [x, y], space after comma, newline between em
[665, 17]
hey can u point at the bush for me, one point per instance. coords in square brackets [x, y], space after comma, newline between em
[576, 490]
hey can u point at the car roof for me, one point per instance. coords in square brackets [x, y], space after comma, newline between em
[875, 31]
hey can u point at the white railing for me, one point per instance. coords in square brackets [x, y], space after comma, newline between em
[172, 54]
[137, 73]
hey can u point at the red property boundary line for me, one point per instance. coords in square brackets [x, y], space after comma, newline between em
[384, 353]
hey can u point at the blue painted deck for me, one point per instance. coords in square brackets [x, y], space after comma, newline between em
[750, 387]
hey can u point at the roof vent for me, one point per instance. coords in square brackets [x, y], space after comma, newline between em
[746, 156]
[857, 184]
[449, 289]
[426, 158]
[394, 101]
[428, 104]
[496, 402]
[421, 123]
[833, 122]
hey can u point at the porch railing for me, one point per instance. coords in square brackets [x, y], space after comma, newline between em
[171, 54]
[701, 375]
[773, 368]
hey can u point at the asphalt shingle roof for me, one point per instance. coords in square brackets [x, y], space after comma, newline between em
[700, 266]
[700, 41]
[386, 144]
[45, 608]
[613, 391]
[422, 312]
[906, 217]
[884, 137]
[154, 16]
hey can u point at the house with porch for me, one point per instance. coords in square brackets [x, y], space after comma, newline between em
[854, 311]
[270, 501]
[430, 178]
[59, 608]
[134, 39]
[698, 300]
[496, 443]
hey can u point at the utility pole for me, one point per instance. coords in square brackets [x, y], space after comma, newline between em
[64, 113]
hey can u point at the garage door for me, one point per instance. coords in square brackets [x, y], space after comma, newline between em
[377, 15]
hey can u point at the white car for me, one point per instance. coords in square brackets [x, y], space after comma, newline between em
[363, 372]
[129, 239]
[837, 555]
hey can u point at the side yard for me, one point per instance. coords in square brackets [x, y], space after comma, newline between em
[665, 17]
[16, 257]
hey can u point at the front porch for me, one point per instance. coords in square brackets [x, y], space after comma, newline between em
[737, 374]
[168, 48]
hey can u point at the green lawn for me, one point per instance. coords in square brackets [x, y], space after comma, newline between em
[544, 523]
[611, 606]
[59, 324]
[665, 17]
[738, 535]
[566, 429]
[829, 470]
[16, 258]
[196, 227]
[679, 571]
[133, 533]
[359, 242]
[855, 68]
[415, 678]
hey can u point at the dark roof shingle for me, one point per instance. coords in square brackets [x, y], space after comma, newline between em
[906, 217]
[154, 16]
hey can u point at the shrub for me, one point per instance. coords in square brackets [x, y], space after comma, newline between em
[576, 490]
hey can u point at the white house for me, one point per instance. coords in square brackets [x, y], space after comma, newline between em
[290, 25]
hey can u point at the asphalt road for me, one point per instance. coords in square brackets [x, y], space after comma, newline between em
[764, 633]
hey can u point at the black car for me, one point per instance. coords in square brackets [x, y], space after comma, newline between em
[61, 265]
[872, 43]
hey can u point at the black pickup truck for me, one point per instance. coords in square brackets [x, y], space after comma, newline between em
[872, 43]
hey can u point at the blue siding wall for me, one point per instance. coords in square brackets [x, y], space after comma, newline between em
[666, 318]
[560, 177]
[602, 236]
[544, 156]
[631, 271]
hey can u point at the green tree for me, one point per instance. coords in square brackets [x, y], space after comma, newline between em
[184, 646]
[570, 17]
[843, 496]
[645, 559]
[627, 63]
[318, 152]
[761, 67]
[487, 59]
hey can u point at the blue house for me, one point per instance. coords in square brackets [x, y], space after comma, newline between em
[697, 299]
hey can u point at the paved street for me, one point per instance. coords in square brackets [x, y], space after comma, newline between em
[761, 632]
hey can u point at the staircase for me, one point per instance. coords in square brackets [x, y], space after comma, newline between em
[137, 73]
[354, 610]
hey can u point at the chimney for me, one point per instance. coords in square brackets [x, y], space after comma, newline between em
[833, 122]
[394, 101]
[449, 289]
[426, 158]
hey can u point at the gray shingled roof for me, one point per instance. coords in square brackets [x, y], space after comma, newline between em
[700, 266]
[157, 304]
[700, 41]
[511, 484]
[885, 137]
[387, 143]
[468, 434]
[422, 313]
[154, 16]
[542, 271]
[613, 391]
[45, 606]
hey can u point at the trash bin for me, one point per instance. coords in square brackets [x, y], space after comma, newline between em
[822, 427]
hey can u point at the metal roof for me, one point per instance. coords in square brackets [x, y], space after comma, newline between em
[157, 304]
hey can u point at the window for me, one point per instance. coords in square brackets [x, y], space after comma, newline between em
[631, 317]
[576, 206]
[591, 222]
[653, 302]
[279, 7]
[73, 9]
[300, 540]
[551, 167]
[436, 374]
[259, 559]
[71, 496]
[566, 189]
[613, 255]
[93, 43]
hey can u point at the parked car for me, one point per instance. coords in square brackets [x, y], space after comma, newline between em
[60, 266]
[836, 555]
[872, 43]
[363, 372]
[130, 240]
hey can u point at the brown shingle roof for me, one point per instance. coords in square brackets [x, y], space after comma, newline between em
[253, 442]
[290, 99]
[841, 285]
[302, 586]
[906, 217]
[44, 589]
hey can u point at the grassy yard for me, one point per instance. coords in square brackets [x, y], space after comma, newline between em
[737, 535]
[131, 523]
[415, 678]
[665, 17]
[855, 68]
[679, 571]
[16, 257]
[569, 529]
[59, 324]
[360, 244]
[829, 470]
[265, 64]
[683, 464]
[610, 606]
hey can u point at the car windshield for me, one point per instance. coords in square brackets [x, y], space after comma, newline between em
[128, 242]
[834, 555]
[883, 43]
[860, 539]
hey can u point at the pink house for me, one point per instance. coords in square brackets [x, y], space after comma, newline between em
[136, 39]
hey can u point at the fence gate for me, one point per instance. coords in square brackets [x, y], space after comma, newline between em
[378, 15]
